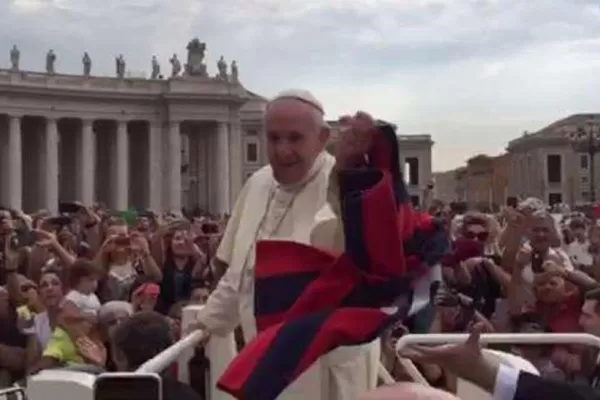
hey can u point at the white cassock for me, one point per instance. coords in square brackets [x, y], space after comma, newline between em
[267, 210]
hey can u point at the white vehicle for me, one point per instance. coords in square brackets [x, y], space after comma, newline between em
[80, 385]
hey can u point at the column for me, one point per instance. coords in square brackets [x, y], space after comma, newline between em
[222, 170]
[236, 160]
[15, 170]
[174, 166]
[121, 176]
[87, 167]
[154, 163]
[51, 166]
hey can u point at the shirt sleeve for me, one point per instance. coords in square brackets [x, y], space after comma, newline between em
[220, 314]
[505, 387]
[54, 348]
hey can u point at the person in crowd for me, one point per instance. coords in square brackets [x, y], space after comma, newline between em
[51, 295]
[12, 342]
[144, 295]
[123, 257]
[579, 248]
[110, 316]
[138, 339]
[182, 263]
[83, 280]
[466, 361]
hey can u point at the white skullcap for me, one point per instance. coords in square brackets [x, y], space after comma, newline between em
[302, 95]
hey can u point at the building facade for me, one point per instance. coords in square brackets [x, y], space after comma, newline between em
[187, 141]
[482, 183]
[544, 164]
[127, 142]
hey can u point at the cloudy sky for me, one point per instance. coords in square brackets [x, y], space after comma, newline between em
[472, 73]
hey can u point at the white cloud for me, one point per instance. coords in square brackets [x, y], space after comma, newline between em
[458, 69]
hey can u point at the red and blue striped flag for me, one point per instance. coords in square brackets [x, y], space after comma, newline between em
[308, 301]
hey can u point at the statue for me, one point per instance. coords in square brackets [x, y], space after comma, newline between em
[120, 66]
[234, 72]
[155, 68]
[87, 64]
[15, 56]
[195, 62]
[50, 60]
[176, 65]
[222, 66]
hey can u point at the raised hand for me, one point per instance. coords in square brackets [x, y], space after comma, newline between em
[45, 238]
[355, 139]
[91, 351]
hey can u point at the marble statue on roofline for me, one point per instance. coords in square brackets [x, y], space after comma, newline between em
[234, 72]
[222, 67]
[87, 64]
[195, 61]
[15, 56]
[120, 66]
[155, 68]
[50, 60]
[175, 66]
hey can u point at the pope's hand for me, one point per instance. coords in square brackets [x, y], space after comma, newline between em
[355, 140]
[197, 326]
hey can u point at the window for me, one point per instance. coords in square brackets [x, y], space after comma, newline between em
[251, 152]
[583, 161]
[251, 132]
[554, 198]
[415, 200]
[554, 168]
[584, 180]
[411, 171]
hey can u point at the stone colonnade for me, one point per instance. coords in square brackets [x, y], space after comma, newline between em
[121, 163]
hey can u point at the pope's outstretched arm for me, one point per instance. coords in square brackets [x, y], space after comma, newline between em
[220, 315]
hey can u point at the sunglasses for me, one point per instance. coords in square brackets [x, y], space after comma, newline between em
[481, 236]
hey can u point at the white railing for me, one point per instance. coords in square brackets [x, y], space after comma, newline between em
[219, 350]
[493, 338]
[163, 360]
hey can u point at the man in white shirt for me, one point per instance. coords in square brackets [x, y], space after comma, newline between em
[282, 201]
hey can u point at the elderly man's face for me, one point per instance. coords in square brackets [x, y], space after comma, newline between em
[295, 138]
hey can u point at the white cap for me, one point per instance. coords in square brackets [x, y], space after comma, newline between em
[302, 95]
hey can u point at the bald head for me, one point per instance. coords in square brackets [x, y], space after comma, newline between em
[408, 391]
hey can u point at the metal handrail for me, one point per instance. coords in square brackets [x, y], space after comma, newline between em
[13, 390]
[163, 360]
[491, 338]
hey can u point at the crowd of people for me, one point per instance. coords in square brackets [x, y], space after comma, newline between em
[70, 280]
[522, 270]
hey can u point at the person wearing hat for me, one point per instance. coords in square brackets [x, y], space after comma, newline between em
[287, 200]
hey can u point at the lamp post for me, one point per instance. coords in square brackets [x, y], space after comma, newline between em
[585, 139]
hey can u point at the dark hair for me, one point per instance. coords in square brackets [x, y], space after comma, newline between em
[81, 269]
[141, 337]
[577, 223]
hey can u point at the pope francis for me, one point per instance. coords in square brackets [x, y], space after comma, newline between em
[293, 198]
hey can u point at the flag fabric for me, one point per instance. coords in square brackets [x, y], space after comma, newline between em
[308, 301]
